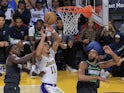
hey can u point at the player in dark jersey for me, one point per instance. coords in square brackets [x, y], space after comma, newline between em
[13, 62]
[89, 71]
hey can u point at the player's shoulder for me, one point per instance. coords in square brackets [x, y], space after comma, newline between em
[83, 64]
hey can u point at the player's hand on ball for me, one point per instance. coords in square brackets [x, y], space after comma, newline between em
[49, 28]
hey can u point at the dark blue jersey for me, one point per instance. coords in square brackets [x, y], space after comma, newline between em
[12, 72]
[4, 33]
[19, 33]
[26, 16]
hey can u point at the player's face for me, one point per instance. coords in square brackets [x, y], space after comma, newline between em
[2, 21]
[92, 55]
[46, 48]
[15, 50]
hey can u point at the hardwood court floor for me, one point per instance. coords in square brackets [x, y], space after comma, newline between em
[67, 82]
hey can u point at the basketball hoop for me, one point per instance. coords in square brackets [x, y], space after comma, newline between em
[70, 15]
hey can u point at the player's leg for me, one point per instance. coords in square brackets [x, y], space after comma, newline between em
[47, 89]
[9, 88]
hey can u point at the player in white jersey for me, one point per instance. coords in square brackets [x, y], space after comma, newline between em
[45, 57]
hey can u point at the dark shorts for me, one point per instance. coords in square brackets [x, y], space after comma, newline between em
[86, 90]
[11, 88]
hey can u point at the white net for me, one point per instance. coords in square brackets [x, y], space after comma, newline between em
[70, 23]
[70, 15]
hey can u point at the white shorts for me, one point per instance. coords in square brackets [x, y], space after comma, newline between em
[50, 88]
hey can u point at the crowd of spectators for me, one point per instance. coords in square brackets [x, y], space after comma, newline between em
[21, 26]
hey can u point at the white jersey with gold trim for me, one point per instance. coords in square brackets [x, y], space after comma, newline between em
[48, 65]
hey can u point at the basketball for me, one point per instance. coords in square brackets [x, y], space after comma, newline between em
[50, 18]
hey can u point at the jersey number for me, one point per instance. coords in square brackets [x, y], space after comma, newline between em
[53, 69]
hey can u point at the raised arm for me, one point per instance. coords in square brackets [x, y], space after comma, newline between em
[83, 77]
[114, 61]
[56, 40]
[21, 60]
[40, 45]
[55, 37]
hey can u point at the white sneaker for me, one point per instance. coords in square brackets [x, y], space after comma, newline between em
[122, 78]
[32, 70]
[68, 68]
[107, 74]
[28, 65]
[73, 70]
[102, 72]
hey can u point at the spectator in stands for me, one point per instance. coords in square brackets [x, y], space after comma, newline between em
[38, 12]
[30, 4]
[121, 29]
[4, 39]
[19, 35]
[117, 47]
[55, 5]
[34, 32]
[25, 13]
[89, 37]
[7, 11]
[12, 4]
[107, 36]
[68, 48]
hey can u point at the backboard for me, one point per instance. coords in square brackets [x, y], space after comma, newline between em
[100, 13]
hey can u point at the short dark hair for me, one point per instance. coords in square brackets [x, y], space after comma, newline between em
[9, 48]
[37, 43]
[39, 1]
[21, 1]
[2, 15]
[17, 16]
[59, 18]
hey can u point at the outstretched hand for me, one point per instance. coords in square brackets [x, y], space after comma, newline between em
[120, 61]
[107, 50]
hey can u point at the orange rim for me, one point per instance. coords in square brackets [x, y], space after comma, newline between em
[86, 11]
